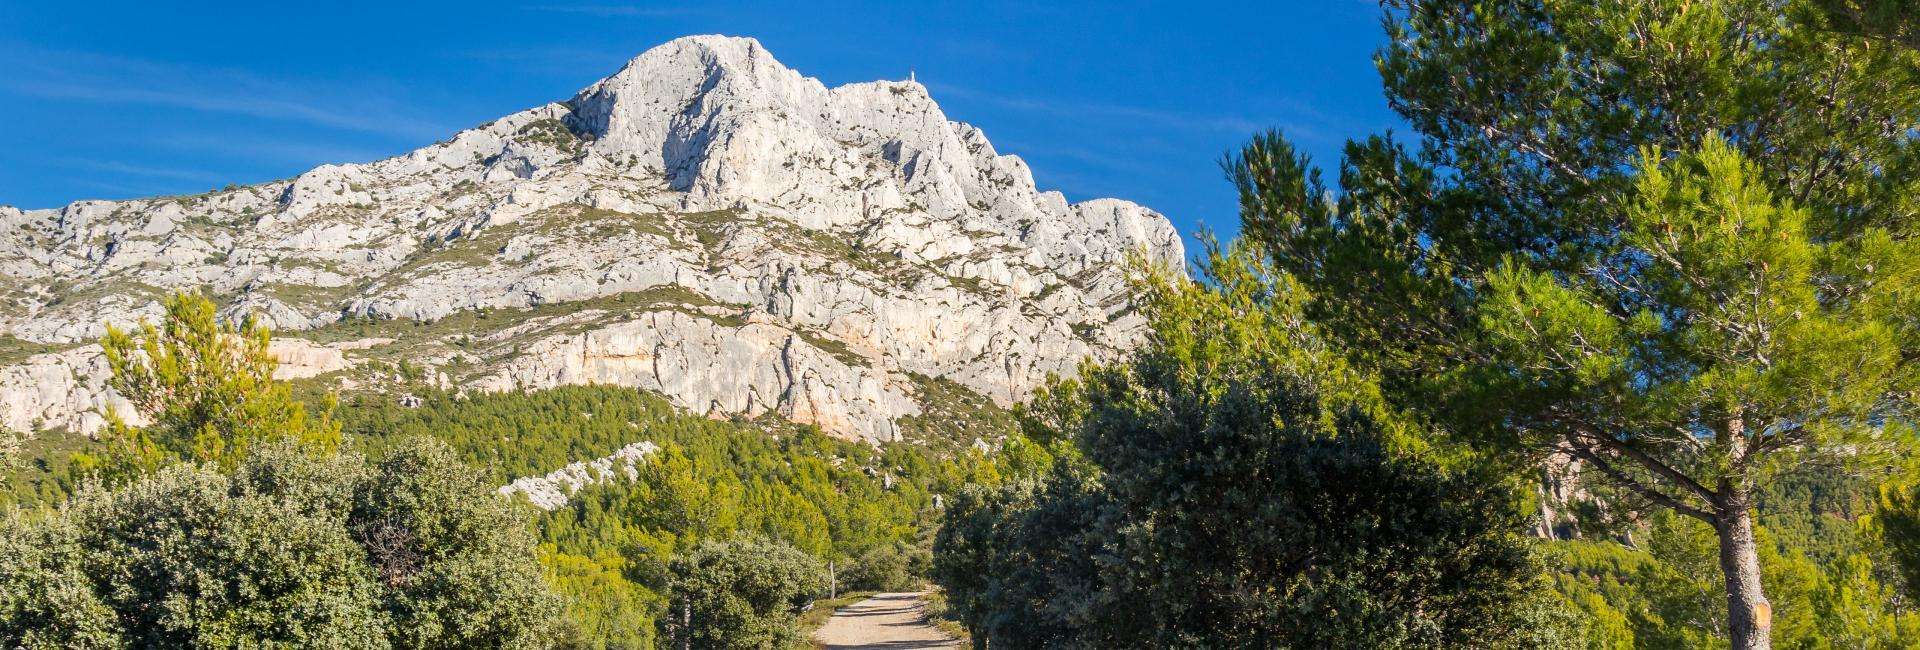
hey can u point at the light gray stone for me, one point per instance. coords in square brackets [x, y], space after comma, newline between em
[805, 250]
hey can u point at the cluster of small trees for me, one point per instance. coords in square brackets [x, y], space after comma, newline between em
[289, 548]
[741, 593]
[611, 552]
[232, 519]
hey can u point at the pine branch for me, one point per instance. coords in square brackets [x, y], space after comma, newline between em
[1627, 481]
[1646, 460]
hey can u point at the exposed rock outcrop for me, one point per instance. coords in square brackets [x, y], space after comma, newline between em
[557, 487]
[58, 390]
[705, 223]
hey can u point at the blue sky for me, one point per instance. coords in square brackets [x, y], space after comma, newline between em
[1133, 100]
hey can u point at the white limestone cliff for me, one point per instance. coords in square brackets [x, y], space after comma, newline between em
[705, 223]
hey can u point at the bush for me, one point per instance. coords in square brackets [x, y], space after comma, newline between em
[1236, 487]
[893, 567]
[288, 549]
[743, 593]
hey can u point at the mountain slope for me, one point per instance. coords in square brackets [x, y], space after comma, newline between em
[705, 223]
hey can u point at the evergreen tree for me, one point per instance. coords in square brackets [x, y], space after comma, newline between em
[1239, 487]
[609, 550]
[1670, 239]
[1898, 528]
[205, 388]
[1895, 21]
[891, 567]
[272, 538]
[456, 560]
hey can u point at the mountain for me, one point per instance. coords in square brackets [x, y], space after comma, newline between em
[706, 223]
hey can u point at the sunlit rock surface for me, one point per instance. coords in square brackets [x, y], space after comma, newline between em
[705, 223]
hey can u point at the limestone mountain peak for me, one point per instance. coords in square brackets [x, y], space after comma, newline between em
[705, 223]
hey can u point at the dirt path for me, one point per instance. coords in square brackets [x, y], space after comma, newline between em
[885, 621]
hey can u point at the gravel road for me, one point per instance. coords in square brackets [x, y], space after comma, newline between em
[885, 621]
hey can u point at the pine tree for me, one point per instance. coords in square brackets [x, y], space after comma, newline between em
[1672, 239]
[205, 389]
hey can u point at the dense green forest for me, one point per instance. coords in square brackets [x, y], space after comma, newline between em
[1239, 483]
[868, 510]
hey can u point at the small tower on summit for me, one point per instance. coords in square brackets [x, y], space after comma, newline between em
[910, 74]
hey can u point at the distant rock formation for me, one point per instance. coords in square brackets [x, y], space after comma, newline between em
[705, 223]
[552, 491]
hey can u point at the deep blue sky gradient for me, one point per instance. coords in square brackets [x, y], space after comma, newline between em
[124, 99]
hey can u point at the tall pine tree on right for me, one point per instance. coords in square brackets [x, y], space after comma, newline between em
[1674, 240]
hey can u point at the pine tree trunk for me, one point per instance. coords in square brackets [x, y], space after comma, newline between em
[1749, 615]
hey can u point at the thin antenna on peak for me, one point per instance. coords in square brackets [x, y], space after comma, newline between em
[910, 73]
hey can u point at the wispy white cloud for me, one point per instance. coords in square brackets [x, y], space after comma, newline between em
[146, 171]
[1102, 110]
[562, 62]
[90, 77]
[287, 152]
[612, 10]
[1119, 161]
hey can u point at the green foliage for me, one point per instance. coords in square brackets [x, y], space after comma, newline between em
[180, 560]
[14, 350]
[1826, 590]
[605, 606]
[1711, 322]
[288, 549]
[51, 466]
[1240, 487]
[1672, 239]
[10, 443]
[457, 561]
[553, 133]
[1896, 21]
[742, 593]
[899, 566]
[607, 552]
[206, 389]
[1898, 527]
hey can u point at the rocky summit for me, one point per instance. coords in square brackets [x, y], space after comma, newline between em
[706, 224]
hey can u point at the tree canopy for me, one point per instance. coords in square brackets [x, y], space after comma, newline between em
[287, 550]
[204, 388]
[1673, 240]
[741, 593]
[1238, 486]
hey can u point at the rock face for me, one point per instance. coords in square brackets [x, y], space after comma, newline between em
[705, 223]
[58, 390]
[556, 488]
